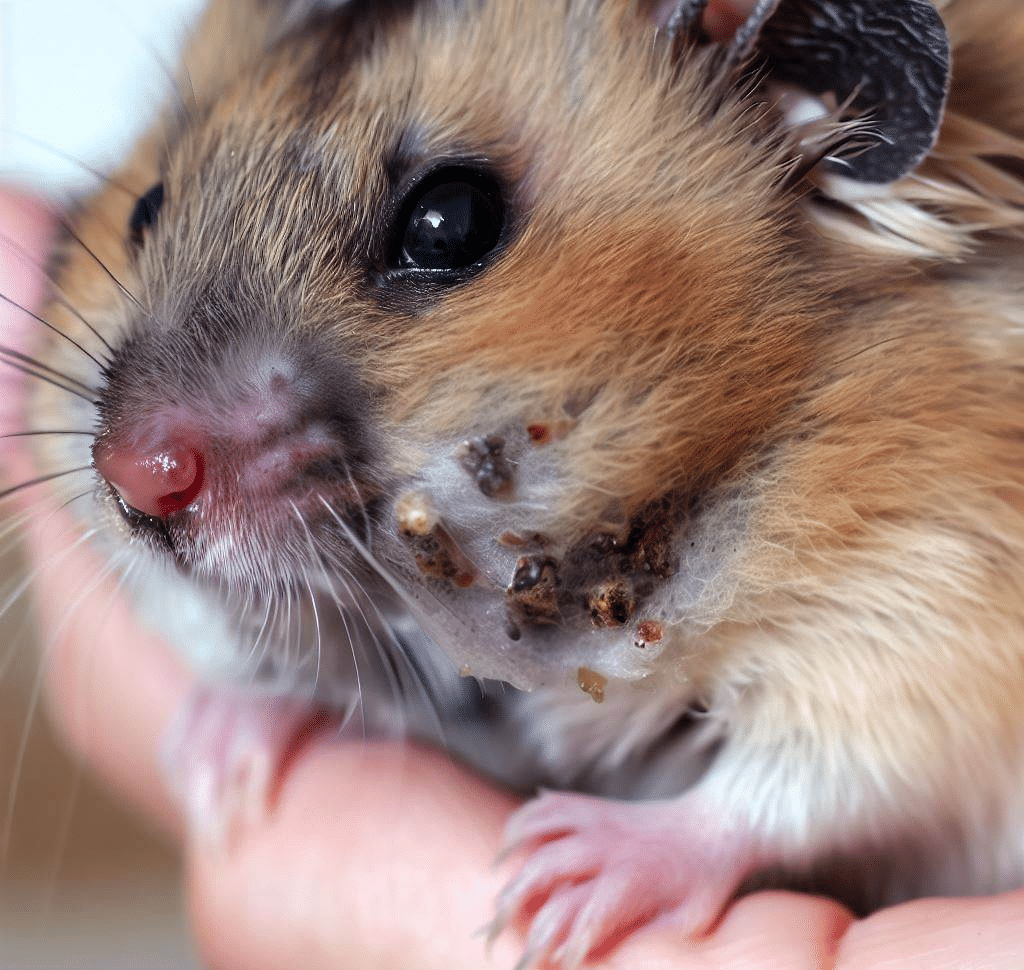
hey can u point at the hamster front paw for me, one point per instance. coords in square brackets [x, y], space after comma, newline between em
[223, 756]
[597, 870]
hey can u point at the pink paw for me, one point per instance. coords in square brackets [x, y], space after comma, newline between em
[597, 870]
[223, 756]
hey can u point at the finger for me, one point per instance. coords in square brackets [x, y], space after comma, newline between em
[765, 931]
[768, 931]
[940, 934]
[375, 856]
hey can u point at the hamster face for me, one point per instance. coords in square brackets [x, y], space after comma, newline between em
[642, 399]
[540, 334]
[273, 327]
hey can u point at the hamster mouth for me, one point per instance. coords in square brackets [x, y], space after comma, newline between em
[257, 521]
[302, 532]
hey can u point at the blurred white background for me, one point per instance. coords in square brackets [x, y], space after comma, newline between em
[79, 76]
[81, 886]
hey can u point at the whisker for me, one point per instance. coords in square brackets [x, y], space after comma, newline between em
[248, 662]
[74, 498]
[117, 563]
[312, 598]
[161, 61]
[31, 361]
[65, 156]
[352, 649]
[191, 86]
[19, 590]
[394, 681]
[14, 489]
[414, 670]
[63, 837]
[400, 650]
[278, 636]
[298, 627]
[17, 768]
[375, 563]
[288, 628]
[24, 256]
[319, 643]
[13, 526]
[30, 372]
[27, 581]
[61, 297]
[362, 508]
[34, 698]
[32, 434]
[103, 266]
[46, 323]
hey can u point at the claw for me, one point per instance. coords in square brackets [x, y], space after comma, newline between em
[601, 869]
[553, 863]
[549, 925]
[588, 925]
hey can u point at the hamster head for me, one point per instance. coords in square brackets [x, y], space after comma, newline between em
[508, 306]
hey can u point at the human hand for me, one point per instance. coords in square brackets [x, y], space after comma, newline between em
[373, 854]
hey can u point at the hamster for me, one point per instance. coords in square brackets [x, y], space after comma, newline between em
[634, 410]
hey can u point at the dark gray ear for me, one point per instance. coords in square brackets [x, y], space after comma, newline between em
[683, 19]
[888, 60]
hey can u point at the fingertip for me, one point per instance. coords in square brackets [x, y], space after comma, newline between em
[941, 934]
[763, 930]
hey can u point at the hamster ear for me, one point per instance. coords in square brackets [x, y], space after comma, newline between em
[681, 19]
[887, 60]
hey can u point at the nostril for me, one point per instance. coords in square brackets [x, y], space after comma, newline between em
[156, 482]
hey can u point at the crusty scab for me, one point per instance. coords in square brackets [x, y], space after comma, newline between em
[437, 553]
[535, 591]
[484, 459]
[603, 578]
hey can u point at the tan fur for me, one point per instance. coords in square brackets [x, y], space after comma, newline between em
[846, 384]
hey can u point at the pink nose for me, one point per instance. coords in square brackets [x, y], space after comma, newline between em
[156, 482]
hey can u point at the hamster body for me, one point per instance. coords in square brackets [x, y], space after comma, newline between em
[526, 341]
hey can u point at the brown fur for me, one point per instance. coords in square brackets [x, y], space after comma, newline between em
[847, 392]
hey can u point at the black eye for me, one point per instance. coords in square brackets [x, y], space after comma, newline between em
[145, 212]
[449, 223]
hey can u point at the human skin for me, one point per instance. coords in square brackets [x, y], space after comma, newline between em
[371, 855]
